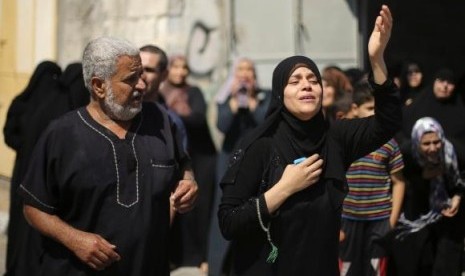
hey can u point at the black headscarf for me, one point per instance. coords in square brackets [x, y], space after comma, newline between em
[295, 138]
[72, 82]
[45, 72]
[406, 91]
[445, 74]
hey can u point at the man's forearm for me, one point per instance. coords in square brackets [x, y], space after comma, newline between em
[50, 225]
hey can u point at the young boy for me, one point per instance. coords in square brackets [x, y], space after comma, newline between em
[376, 191]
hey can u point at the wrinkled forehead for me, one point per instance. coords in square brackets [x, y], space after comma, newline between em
[290, 63]
[126, 64]
[299, 66]
[133, 62]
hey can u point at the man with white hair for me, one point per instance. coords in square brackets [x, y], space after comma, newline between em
[102, 177]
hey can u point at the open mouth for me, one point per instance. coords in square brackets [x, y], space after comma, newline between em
[137, 96]
[307, 98]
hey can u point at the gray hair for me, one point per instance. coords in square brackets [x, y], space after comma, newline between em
[101, 55]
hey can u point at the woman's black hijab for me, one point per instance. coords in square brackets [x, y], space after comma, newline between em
[45, 72]
[406, 91]
[72, 82]
[294, 138]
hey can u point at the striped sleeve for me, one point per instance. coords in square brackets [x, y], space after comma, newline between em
[396, 162]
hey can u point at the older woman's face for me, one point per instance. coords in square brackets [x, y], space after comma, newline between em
[430, 146]
[178, 71]
[443, 89]
[245, 72]
[302, 94]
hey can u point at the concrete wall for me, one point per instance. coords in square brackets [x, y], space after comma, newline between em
[27, 37]
[193, 28]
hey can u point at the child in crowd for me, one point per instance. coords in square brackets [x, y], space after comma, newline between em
[376, 190]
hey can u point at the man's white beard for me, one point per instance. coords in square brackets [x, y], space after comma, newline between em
[117, 111]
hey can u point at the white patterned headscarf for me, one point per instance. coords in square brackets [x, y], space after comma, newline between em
[439, 197]
[447, 154]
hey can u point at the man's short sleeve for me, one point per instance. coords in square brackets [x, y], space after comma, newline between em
[39, 184]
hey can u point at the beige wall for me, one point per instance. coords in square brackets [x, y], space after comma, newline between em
[10, 82]
[23, 44]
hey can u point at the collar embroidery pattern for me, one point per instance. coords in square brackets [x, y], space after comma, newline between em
[115, 160]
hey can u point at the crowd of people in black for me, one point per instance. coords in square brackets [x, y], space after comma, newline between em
[343, 172]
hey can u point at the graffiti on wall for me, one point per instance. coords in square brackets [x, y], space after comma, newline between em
[178, 26]
[202, 49]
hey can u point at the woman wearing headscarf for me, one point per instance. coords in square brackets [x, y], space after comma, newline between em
[28, 115]
[430, 232]
[72, 81]
[242, 105]
[190, 248]
[411, 81]
[284, 219]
